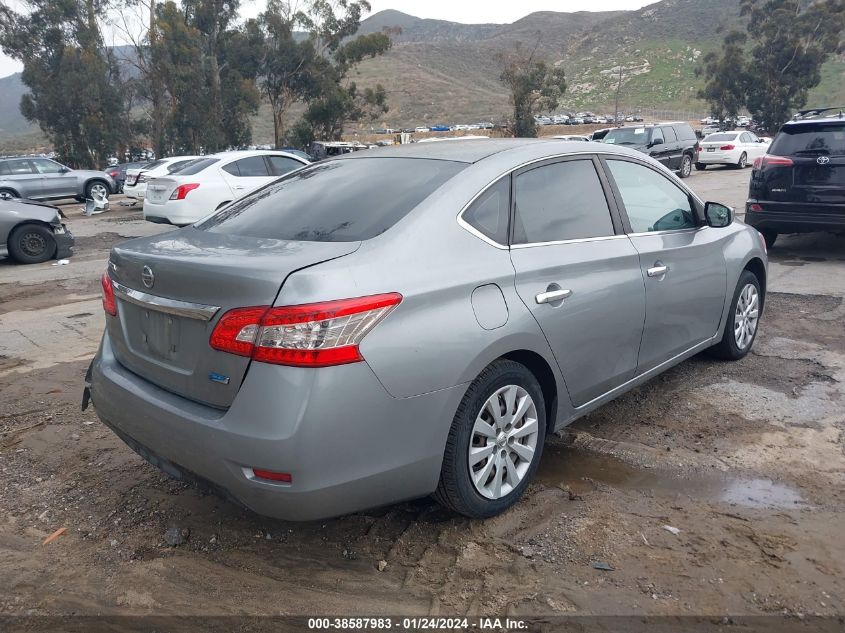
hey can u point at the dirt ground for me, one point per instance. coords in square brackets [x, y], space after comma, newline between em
[744, 461]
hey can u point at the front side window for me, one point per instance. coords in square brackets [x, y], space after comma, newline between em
[561, 201]
[653, 202]
[490, 211]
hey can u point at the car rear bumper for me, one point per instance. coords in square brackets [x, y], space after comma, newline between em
[785, 217]
[715, 158]
[346, 442]
[170, 212]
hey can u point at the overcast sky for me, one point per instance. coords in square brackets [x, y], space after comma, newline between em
[467, 11]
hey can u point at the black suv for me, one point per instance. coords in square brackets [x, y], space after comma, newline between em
[673, 144]
[799, 186]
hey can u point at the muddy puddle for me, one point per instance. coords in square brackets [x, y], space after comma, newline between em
[583, 472]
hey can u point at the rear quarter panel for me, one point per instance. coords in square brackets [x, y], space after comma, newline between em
[432, 340]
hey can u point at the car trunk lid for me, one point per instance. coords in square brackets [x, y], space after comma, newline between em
[172, 289]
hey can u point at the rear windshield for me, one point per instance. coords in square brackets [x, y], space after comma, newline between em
[720, 137]
[810, 139]
[335, 201]
[154, 164]
[197, 166]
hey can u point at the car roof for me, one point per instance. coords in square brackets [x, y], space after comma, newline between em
[473, 151]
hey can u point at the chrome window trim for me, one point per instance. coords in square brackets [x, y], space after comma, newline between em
[579, 240]
[668, 231]
[471, 229]
[198, 311]
[592, 152]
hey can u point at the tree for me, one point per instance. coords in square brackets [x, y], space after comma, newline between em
[791, 40]
[73, 80]
[533, 85]
[726, 78]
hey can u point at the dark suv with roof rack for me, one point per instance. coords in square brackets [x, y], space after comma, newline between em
[799, 185]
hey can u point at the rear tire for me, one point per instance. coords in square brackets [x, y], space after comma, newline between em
[32, 244]
[508, 446]
[743, 319]
[743, 161]
[770, 237]
[97, 187]
[701, 166]
[686, 166]
[8, 194]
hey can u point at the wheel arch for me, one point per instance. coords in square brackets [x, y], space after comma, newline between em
[12, 189]
[544, 374]
[92, 180]
[756, 266]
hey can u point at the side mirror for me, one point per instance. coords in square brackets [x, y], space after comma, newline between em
[718, 215]
[64, 170]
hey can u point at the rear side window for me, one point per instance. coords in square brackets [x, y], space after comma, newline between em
[335, 201]
[810, 139]
[197, 166]
[685, 132]
[20, 167]
[669, 134]
[490, 212]
[252, 167]
[281, 165]
[719, 138]
[561, 201]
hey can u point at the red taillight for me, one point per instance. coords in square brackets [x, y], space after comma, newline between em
[755, 208]
[772, 160]
[183, 190]
[270, 475]
[697, 147]
[310, 335]
[726, 148]
[109, 302]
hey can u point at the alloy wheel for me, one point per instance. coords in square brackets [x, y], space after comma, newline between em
[746, 316]
[743, 161]
[98, 191]
[686, 167]
[503, 442]
[5, 195]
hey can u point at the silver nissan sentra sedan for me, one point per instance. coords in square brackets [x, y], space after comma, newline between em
[414, 320]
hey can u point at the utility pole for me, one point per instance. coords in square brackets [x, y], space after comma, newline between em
[618, 90]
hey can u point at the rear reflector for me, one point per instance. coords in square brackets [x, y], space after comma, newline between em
[109, 302]
[272, 476]
[183, 190]
[311, 335]
[772, 160]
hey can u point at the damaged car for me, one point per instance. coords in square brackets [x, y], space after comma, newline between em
[33, 232]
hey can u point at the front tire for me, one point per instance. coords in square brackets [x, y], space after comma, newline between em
[743, 319]
[686, 166]
[32, 244]
[495, 443]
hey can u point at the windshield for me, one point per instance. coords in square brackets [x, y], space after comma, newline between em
[197, 166]
[718, 138]
[628, 136]
[335, 201]
[810, 139]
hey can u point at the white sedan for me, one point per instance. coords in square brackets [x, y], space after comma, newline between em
[213, 182]
[136, 179]
[739, 148]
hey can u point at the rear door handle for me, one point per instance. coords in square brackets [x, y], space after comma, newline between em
[552, 296]
[658, 270]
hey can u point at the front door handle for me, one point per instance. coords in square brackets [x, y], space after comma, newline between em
[552, 296]
[658, 270]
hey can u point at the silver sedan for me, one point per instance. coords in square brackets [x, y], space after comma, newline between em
[415, 320]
